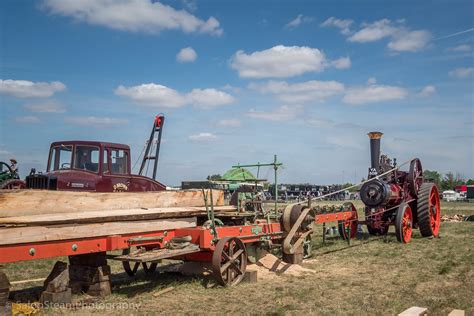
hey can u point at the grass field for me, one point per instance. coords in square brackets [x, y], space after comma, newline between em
[375, 276]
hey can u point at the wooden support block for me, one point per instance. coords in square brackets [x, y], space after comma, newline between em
[250, 276]
[4, 290]
[91, 259]
[414, 311]
[58, 279]
[63, 297]
[100, 289]
[457, 312]
[89, 273]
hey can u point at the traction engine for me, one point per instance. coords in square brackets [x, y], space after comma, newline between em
[400, 198]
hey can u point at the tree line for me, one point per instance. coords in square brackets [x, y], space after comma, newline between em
[447, 181]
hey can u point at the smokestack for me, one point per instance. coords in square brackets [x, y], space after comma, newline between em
[375, 149]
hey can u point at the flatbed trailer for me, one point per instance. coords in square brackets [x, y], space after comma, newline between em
[224, 242]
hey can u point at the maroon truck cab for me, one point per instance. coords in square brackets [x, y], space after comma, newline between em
[91, 166]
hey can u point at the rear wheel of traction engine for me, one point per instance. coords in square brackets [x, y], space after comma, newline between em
[229, 261]
[131, 267]
[415, 177]
[404, 223]
[13, 184]
[429, 211]
[351, 223]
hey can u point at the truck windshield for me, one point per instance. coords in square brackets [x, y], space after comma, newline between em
[86, 158]
[60, 158]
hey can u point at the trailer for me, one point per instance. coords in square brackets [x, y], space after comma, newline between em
[220, 235]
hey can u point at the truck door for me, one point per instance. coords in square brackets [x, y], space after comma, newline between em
[115, 173]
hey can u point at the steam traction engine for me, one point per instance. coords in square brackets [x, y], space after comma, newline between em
[400, 198]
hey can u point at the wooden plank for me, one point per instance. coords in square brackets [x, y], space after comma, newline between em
[36, 202]
[21, 235]
[109, 216]
[414, 311]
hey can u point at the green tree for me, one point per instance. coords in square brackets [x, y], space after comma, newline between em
[214, 177]
[433, 176]
[451, 180]
[470, 182]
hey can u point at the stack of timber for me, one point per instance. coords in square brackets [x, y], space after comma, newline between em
[35, 202]
[38, 216]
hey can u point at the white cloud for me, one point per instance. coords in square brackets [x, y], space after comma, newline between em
[341, 63]
[460, 48]
[343, 25]
[410, 41]
[373, 31]
[307, 91]
[28, 119]
[202, 137]
[283, 113]
[161, 96]
[229, 123]
[320, 122]
[133, 15]
[46, 107]
[29, 89]
[373, 93]
[95, 121]
[278, 62]
[461, 73]
[153, 94]
[186, 55]
[427, 91]
[209, 98]
[372, 80]
[402, 39]
[300, 19]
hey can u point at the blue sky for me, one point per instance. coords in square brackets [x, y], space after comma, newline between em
[239, 81]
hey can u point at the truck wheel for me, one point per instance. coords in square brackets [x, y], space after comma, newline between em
[429, 210]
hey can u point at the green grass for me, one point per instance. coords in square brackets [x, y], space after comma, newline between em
[376, 276]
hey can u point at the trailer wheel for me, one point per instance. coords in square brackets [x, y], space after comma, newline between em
[229, 261]
[404, 223]
[429, 211]
[148, 268]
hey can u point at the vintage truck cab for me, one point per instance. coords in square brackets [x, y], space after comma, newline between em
[90, 166]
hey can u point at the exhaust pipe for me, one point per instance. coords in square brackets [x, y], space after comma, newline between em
[375, 150]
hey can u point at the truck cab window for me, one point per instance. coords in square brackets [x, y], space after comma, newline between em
[86, 158]
[61, 157]
[119, 161]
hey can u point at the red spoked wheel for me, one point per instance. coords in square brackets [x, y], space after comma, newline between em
[404, 223]
[429, 210]
[229, 261]
[348, 227]
[415, 177]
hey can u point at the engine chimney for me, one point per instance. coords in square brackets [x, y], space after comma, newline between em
[375, 149]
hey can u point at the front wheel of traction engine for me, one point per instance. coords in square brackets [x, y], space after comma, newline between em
[404, 223]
